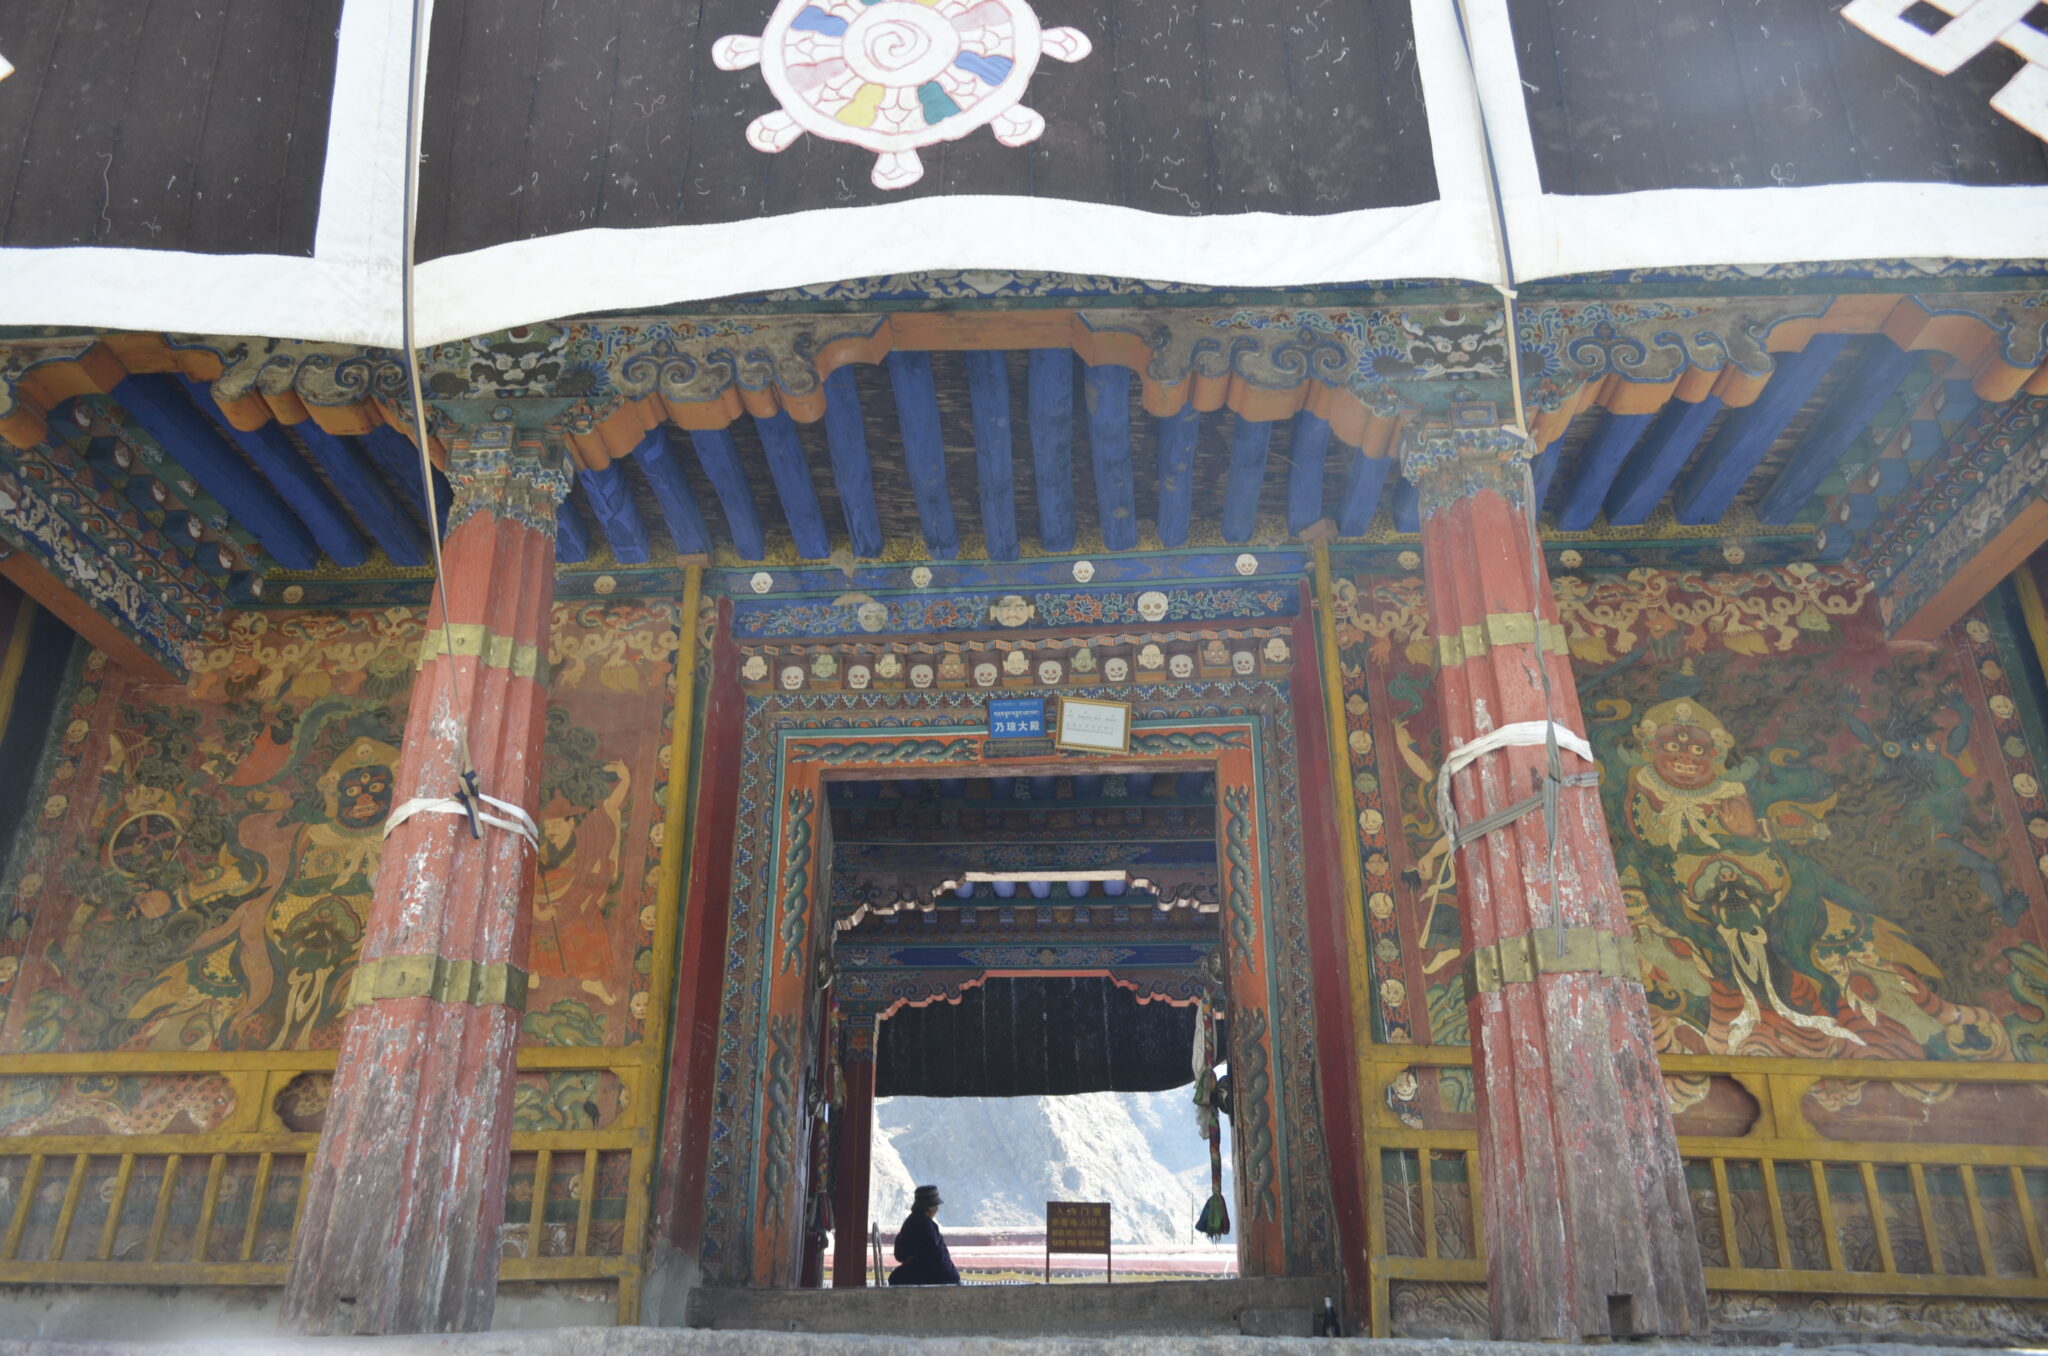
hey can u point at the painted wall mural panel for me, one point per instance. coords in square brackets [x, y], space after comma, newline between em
[1832, 847]
[203, 860]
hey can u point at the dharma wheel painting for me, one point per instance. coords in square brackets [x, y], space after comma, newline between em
[894, 75]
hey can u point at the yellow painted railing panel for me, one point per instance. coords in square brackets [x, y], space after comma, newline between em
[1933, 1219]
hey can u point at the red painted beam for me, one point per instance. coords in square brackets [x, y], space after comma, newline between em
[679, 1189]
[1322, 839]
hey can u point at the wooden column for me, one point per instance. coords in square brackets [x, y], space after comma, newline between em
[854, 1149]
[403, 1208]
[1587, 1226]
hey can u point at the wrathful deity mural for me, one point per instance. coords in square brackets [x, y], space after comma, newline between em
[1830, 847]
[202, 868]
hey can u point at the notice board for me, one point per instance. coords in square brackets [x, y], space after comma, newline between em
[1078, 1227]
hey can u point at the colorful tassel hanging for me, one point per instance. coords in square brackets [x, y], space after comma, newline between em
[1214, 1221]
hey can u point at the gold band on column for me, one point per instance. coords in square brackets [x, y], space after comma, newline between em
[1497, 628]
[1519, 959]
[445, 979]
[474, 640]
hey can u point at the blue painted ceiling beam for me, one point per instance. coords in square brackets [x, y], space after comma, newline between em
[295, 482]
[1840, 422]
[853, 472]
[793, 486]
[720, 458]
[1251, 443]
[679, 509]
[1658, 458]
[158, 403]
[1543, 470]
[1599, 462]
[1177, 435]
[394, 452]
[1404, 504]
[1109, 439]
[1310, 453]
[924, 450]
[347, 465]
[988, 388]
[611, 498]
[1051, 395]
[572, 538]
[1362, 493]
[1746, 435]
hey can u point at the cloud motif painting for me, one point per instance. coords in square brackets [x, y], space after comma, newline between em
[893, 76]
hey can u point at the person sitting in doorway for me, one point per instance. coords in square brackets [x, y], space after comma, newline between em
[921, 1248]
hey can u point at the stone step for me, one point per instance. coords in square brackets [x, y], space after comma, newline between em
[1172, 1308]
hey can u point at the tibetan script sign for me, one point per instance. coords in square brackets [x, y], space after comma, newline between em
[1094, 726]
[1077, 1227]
[1016, 718]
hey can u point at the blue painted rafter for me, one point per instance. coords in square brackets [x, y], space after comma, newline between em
[988, 388]
[1599, 462]
[679, 509]
[349, 468]
[572, 537]
[852, 470]
[280, 463]
[159, 405]
[1052, 445]
[1405, 505]
[1178, 433]
[611, 498]
[1310, 453]
[1710, 486]
[393, 451]
[793, 486]
[1251, 444]
[924, 450]
[1658, 458]
[1841, 421]
[1109, 439]
[720, 458]
[1362, 493]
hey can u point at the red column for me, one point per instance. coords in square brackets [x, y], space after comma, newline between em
[855, 1147]
[1587, 1224]
[403, 1208]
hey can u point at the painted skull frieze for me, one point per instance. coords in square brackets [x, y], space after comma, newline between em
[893, 76]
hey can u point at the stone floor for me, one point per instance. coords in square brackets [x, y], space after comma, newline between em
[697, 1342]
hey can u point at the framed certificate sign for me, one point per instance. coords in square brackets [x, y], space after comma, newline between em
[1093, 726]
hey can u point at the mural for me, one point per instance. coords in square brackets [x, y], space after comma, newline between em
[1828, 844]
[204, 860]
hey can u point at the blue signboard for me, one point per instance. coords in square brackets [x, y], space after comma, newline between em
[1016, 718]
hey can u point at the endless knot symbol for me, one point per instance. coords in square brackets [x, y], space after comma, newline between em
[1972, 26]
[895, 75]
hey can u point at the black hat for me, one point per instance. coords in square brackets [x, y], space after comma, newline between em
[926, 1195]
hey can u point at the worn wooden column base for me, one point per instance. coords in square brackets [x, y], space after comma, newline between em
[432, 1266]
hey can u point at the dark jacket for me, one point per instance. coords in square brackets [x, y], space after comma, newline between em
[921, 1248]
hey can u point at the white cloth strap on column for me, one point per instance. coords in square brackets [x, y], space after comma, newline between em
[519, 821]
[1521, 734]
